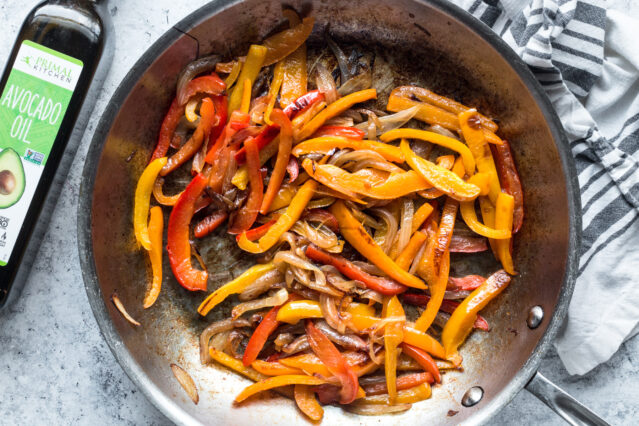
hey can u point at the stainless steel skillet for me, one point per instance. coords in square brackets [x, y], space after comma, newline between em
[431, 43]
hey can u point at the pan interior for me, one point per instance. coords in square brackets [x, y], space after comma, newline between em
[414, 43]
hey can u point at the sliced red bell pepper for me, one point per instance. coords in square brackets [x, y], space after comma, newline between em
[178, 244]
[220, 155]
[260, 336]
[334, 361]
[382, 285]
[283, 155]
[343, 131]
[221, 111]
[447, 306]
[303, 102]
[467, 283]
[269, 132]
[209, 224]
[459, 244]
[209, 84]
[424, 359]
[323, 216]
[245, 217]
[169, 124]
[257, 233]
[509, 179]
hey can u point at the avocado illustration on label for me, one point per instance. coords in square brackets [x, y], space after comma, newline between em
[11, 178]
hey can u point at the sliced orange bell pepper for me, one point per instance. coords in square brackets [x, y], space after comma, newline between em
[335, 109]
[274, 368]
[424, 341]
[234, 287]
[142, 201]
[437, 291]
[284, 222]
[406, 396]
[307, 403]
[482, 181]
[159, 196]
[275, 382]
[156, 227]
[283, 197]
[467, 210]
[421, 215]
[393, 337]
[476, 141]
[436, 138]
[432, 114]
[296, 310]
[445, 230]
[504, 220]
[325, 144]
[443, 102]
[407, 256]
[282, 44]
[352, 184]
[283, 155]
[442, 179]
[461, 321]
[255, 58]
[295, 74]
[356, 235]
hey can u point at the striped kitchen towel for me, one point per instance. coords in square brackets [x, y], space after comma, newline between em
[587, 60]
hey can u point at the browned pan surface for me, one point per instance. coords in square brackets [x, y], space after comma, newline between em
[419, 42]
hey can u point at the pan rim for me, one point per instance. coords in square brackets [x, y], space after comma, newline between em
[85, 248]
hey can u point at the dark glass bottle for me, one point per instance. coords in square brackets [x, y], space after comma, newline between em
[47, 91]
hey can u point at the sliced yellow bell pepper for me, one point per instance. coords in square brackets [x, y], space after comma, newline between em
[233, 75]
[406, 396]
[482, 181]
[461, 321]
[284, 222]
[445, 180]
[325, 144]
[307, 403]
[393, 337]
[308, 363]
[250, 70]
[245, 104]
[295, 77]
[142, 201]
[274, 368]
[504, 220]
[276, 382]
[241, 178]
[433, 115]
[156, 227]
[356, 235]
[283, 197]
[335, 109]
[441, 140]
[487, 210]
[278, 78]
[476, 141]
[467, 210]
[236, 365]
[296, 310]
[236, 286]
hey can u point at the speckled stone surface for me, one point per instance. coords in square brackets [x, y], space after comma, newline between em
[55, 368]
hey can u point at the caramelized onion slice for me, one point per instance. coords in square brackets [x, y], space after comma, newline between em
[186, 381]
[118, 304]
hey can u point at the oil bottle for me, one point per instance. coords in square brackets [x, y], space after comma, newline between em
[47, 91]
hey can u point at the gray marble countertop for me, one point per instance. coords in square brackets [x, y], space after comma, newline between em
[54, 365]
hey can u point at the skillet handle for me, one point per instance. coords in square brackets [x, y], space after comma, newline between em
[571, 410]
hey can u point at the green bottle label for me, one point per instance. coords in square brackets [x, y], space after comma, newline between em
[32, 107]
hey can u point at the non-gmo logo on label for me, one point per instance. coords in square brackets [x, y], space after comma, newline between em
[34, 156]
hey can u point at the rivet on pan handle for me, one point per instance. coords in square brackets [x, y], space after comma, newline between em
[571, 410]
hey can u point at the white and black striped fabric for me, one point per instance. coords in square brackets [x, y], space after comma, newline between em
[587, 60]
